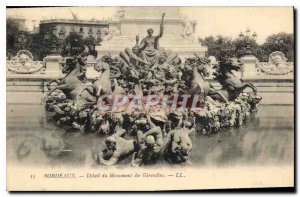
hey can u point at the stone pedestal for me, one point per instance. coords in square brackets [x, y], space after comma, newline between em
[249, 66]
[91, 73]
[182, 47]
[52, 65]
[137, 20]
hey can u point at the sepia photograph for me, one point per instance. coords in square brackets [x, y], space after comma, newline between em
[149, 98]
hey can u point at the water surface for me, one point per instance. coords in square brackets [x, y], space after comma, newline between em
[267, 138]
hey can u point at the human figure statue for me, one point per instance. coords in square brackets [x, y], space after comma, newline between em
[110, 33]
[150, 143]
[163, 73]
[131, 64]
[188, 28]
[156, 74]
[131, 61]
[130, 58]
[279, 63]
[117, 148]
[150, 44]
[178, 145]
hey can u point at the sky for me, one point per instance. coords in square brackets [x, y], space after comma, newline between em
[226, 21]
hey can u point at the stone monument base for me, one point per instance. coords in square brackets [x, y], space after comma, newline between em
[183, 47]
[52, 64]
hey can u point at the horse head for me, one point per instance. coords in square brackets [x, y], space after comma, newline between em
[228, 64]
[202, 69]
[235, 64]
[101, 66]
[203, 66]
[69, 65]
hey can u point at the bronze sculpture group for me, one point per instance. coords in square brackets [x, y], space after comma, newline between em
[145, 70]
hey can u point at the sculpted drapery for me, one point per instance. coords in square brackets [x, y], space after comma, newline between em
[150, 44]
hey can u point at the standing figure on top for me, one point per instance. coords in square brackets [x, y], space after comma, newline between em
[150, 44]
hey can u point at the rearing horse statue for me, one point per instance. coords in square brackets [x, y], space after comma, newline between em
[200, 85]
[72, 83]
[102, 84]
[228, 80]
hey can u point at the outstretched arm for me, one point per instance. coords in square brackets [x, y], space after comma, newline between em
[161, 31]
[129, 53]
[152, 125]
[170, 136]
[138, 59]
[154, 131]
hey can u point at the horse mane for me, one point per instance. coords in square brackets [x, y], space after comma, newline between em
[224, 66]
[70, 65]
[189, 64]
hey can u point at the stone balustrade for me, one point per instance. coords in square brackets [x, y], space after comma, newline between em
[27, 79]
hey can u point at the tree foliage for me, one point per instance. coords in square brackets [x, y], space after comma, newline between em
[218, 46]
[91, 43]
[12, 34]
[73, 45]
[279, 42]
[221, 46]
[38, 46]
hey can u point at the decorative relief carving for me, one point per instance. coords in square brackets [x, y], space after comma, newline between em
[277, 65]
[121, 12]
[23, 63]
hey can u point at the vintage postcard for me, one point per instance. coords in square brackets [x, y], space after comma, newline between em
[149, 98]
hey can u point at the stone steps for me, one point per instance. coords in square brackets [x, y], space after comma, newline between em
[173, 43]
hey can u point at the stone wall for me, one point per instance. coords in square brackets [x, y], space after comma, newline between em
[29, 88]
[178, 31]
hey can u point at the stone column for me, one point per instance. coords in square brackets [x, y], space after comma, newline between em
[249, 66]
[52, 65]
[91, 73]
